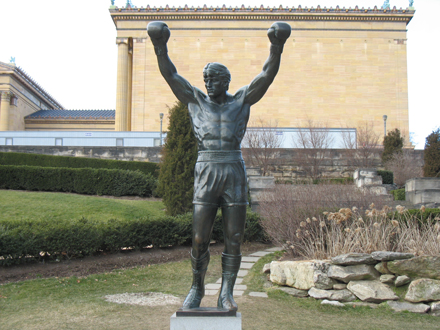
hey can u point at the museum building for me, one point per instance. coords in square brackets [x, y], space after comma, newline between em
[341, 67]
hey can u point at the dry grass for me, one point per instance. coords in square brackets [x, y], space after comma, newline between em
[299, 224]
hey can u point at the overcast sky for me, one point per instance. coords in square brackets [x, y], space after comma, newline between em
[69, 48]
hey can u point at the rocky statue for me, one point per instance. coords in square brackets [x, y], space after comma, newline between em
[219, 122]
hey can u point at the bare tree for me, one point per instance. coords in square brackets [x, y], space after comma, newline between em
[363, 148]
[313, 142]
[261, 143]
[405, 165]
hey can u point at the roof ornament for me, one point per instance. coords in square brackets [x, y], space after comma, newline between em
[12, 60]
[128, 4]
[112, 2]
[411, 3]
[386, 4]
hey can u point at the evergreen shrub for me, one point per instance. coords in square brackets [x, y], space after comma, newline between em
[387, 176]
[176, 177]
[87, 181]
[16, 158]
[399, 194]
[392, 144]
[22, 240]
[432, 155]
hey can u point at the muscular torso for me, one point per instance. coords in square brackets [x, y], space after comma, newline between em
[219, 127]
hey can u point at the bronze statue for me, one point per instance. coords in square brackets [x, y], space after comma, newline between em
[219, 122]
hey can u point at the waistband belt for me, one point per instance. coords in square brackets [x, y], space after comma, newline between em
[220, 156]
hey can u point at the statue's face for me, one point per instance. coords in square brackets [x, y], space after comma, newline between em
[215, 85]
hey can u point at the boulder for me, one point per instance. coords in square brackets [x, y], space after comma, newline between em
[423, 289]
[435, 308]
[301, 274]
[381, 267]
[338, 295]
[294, 292]
[423, 266]
[266, 269]
[277, 274]
[353, 259]
[388, 256]
[402, 280]
[399, 306]
[387, 278]
[352, 273]
[361, 304]
[371, 291]
[332, 303]
[339, 286]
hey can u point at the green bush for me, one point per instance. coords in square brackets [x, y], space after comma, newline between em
[87, 181]
[432, 155]
[176, 178]
[387, 176]
[22, 240]
[15, 158]
[399, 194]
[392, 144]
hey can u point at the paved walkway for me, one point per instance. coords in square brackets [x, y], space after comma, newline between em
[247, 263]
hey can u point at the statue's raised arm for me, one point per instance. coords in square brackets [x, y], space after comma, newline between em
[159, 34]
[278, 33]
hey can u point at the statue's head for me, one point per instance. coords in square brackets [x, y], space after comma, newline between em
[217, 78]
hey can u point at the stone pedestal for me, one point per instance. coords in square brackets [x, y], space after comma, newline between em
[205, 322]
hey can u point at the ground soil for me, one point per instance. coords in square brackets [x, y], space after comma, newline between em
[107, 262]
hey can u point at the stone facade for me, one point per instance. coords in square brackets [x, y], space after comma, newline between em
[423, 191]
[340, 66]
[20, 96]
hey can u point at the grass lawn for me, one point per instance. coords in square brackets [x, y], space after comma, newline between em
[78, 303]
[37, 205]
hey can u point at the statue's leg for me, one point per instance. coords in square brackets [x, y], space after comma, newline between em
[234, 219]
[203, 221]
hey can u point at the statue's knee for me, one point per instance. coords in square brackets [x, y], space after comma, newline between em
[236, 239]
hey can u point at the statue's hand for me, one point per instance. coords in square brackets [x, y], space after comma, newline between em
[278, 33]
[158, 32]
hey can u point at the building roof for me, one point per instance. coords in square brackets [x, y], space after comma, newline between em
[22, 75]
[72, 114]
[262, 13]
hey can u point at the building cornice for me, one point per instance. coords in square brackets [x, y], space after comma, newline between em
[261, 13]
[31, 84]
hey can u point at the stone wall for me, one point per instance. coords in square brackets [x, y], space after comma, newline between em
[336, 164]
[367, 278]
[141, 154]
[423, 191]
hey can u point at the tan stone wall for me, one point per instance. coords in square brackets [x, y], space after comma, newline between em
[69, 125]
[342, 73]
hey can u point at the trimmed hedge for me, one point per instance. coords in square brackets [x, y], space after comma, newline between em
[15, 158]
[399, 194]
[22, 240]
[387, 176]
[88, 181]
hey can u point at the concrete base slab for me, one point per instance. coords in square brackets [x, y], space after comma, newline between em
[242, 273]
[205, 322]
[260, 254]
[250, 259]
[246, 265]
[258, 294]
[211, 292]
[275, 249]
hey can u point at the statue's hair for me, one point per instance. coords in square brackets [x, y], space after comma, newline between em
[219, 70]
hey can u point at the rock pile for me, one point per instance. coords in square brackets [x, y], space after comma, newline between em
[367, 277]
